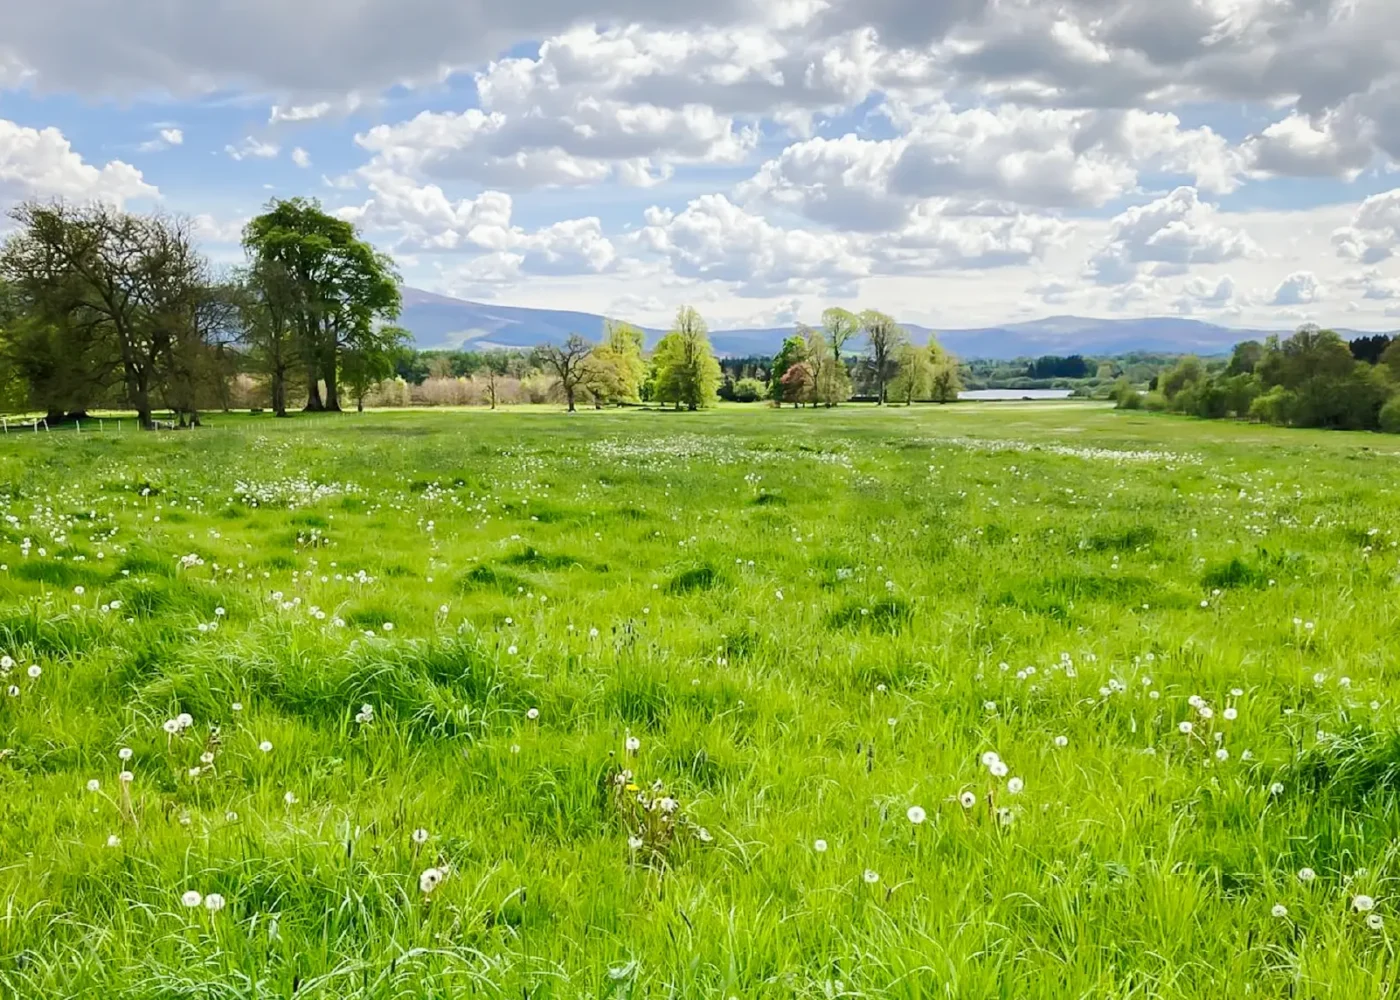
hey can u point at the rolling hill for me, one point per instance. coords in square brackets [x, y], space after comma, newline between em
[439, 322]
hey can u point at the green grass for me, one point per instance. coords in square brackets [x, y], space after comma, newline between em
[810, 622]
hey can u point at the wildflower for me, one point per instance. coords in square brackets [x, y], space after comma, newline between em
[125, 753]
[633, 744]
[1061, 741]
[1206, 712]
[635, 843]
[871, 877]
[819, 846]
[1015, 785]
[704, 835]
[532, 714]
[170, 726]
[1363, 904]
[1231, 714]
[999, 769]
[989, 758]
[265, 746]
[1185, 728]
[1279, 910]
[916, 815]
[1375, 921]
[511, 650]
[34, 671]
[237, 706]
[191, 899]
[290, 798]
[968, 800]
[1276, 788]
[79, 590]
[388, 626]
[94, 785]
[1306, 874]
[1222, 754]
[114, 841]
[213, 902]
[126, 777]
[420, 836]
[218, 612]
[184, 720]
[429, 880]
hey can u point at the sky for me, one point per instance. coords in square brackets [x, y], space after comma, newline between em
[955, 163]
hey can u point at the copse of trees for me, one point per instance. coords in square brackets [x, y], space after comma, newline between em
[1313, 378]
[101, 307]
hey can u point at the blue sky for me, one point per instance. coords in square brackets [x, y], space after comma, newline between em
[955, 164]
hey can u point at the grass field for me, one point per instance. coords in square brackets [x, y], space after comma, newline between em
[731, 704]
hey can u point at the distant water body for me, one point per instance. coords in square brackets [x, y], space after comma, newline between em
[1013, 394]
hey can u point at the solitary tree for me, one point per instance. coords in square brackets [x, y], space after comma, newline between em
[914, 377]
[687, 373]
[884, 336]
[566, 362]
[840, 325]
[495, 365]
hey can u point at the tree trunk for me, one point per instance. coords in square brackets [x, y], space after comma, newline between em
[313, 393]
[569, 395]
[143, 418]
[332, 388]
[279, 395]
[359, 404]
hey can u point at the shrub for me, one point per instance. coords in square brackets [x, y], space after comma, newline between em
[1390, 415]
[749, 390]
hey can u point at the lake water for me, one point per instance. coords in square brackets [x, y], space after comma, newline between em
[1010, 394]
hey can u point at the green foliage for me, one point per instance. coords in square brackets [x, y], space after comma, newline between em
[749, 390]
[687, 374]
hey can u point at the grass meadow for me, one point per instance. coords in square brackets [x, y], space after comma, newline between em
[981, 701]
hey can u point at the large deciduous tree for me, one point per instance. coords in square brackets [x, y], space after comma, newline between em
[687, 373]
[340, 292]
[884, 337]
[129, 291]
[568, 363]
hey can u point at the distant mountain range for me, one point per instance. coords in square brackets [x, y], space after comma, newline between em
[439, 322]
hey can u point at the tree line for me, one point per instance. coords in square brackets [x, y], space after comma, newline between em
[1313, 378]
[102, 308]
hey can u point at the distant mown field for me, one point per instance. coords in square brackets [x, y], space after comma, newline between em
[1018, 701]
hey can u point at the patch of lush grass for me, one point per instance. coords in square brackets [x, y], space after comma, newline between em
[801, 628]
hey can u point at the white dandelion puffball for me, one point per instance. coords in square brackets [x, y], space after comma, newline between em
[999, 769]
[1061, 741]
[430, 879]
[633, 744]
[1276, 788]
[1375, 921]
[420, 836]
[1015, 785]
[213, 902]
[968, 800]
[532, 714]
[191, 899]
[1185, 728]
[93, 785]
[1363, 904]
[265, 746]
[1306, 874]
[819, 846]
[871, 877]
[1279, 910]
[916, 815]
